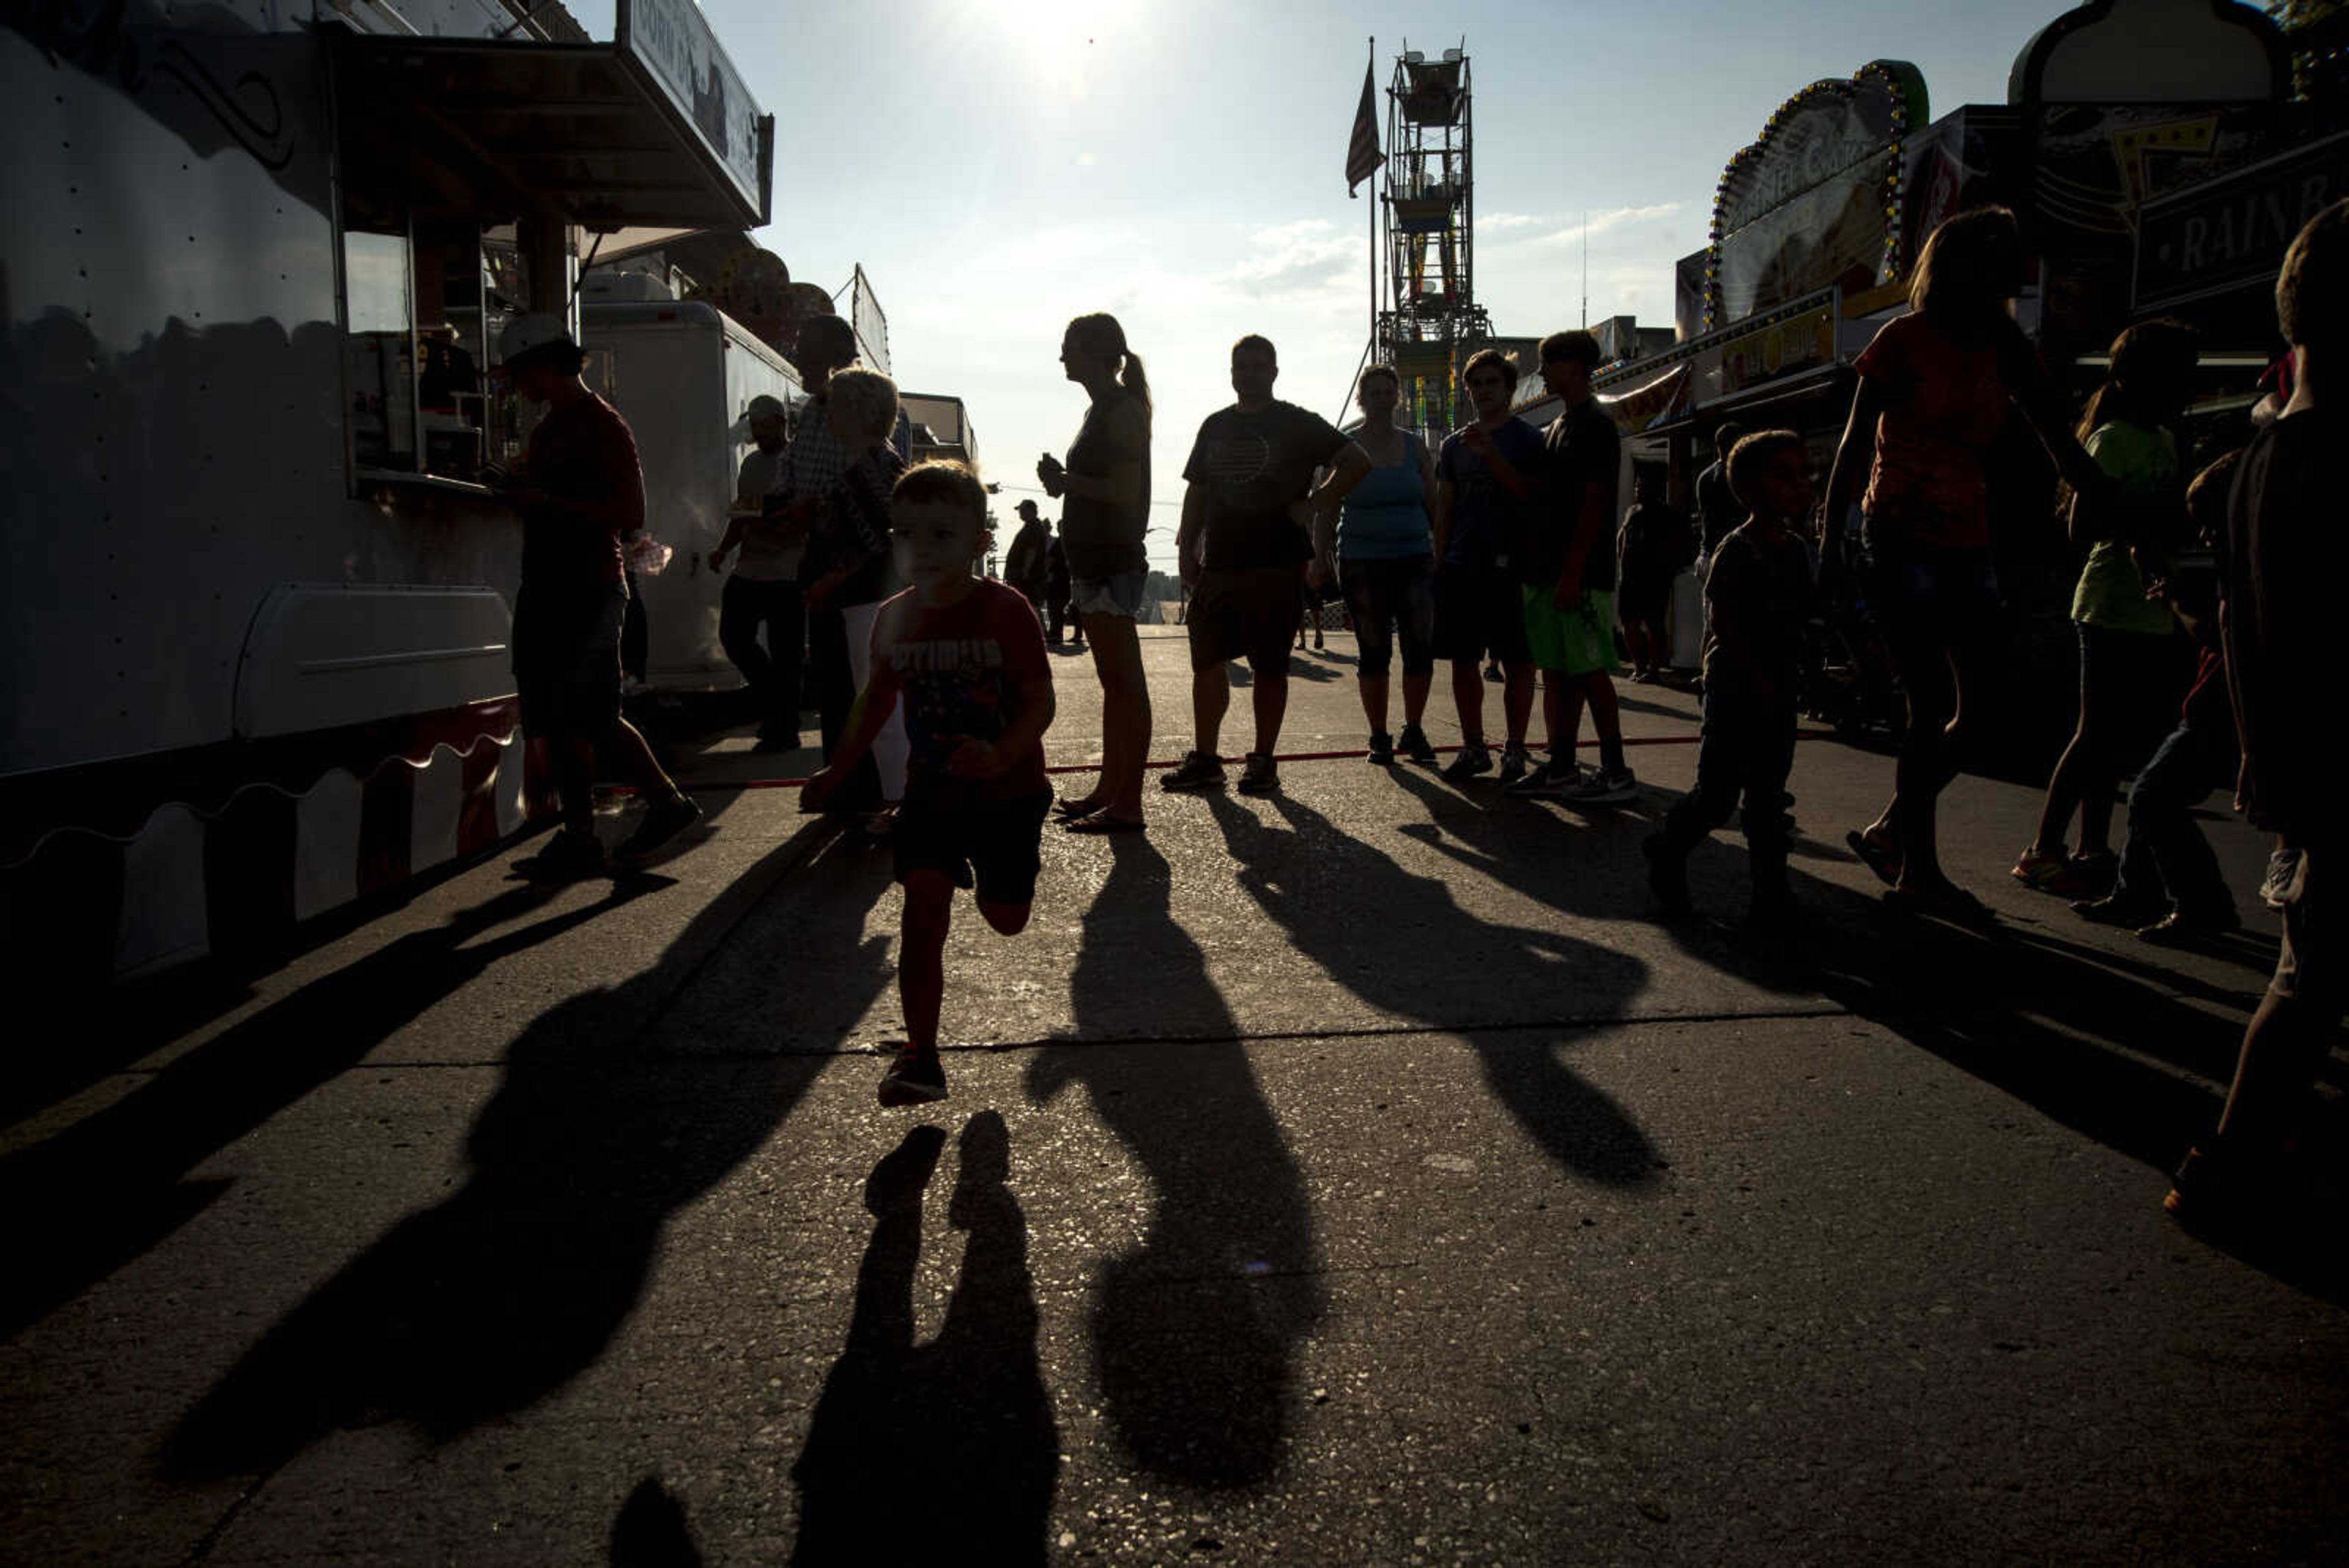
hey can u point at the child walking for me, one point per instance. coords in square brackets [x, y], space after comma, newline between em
[1759, 598]
[965, 657]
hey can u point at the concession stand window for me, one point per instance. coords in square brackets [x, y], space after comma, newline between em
[465, 169]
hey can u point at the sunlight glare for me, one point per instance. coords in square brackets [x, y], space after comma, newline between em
[1063, 46]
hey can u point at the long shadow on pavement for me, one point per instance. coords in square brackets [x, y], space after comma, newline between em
[1192, 1335]
[945, 1452]
[497, 1296]
[1404, 945]
[2041, 1018]
[126, 1166]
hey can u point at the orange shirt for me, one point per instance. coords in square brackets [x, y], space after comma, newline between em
[1944, 402]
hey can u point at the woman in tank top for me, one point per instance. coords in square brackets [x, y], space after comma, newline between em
[1104, 486]
[1386, 564]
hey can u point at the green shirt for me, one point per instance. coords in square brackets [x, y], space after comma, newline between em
[2111, 594]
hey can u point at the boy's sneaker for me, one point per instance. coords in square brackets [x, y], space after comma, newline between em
[1197, 770]
[1413, 744]
[569, 856]
[1608, 786]
[1667, 874]
[1381, 748]
[1553, 775]
[1261, 776]
[1514, 764]
[915, 1078]
[664, 820]
[1471, 759]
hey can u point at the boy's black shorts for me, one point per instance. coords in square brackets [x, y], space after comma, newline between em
[996, 846]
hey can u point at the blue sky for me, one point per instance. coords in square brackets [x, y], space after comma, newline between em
[1000, 167]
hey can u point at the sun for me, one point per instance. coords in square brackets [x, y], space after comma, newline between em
[1065, 48]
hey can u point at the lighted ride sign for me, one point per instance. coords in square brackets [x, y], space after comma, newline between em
[1815, 202]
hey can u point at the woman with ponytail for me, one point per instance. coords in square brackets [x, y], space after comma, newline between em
[1104, 489]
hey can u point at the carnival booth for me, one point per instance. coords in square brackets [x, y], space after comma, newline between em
[258, 603]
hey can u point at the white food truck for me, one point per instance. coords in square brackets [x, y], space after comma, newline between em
[682, 372]
[256, 259]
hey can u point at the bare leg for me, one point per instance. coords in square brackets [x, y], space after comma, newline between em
[1211, 693]
[1606, 713]
[575, 782]
[1566, 734]
[1009, 919]
[1468, 697]
[636, 756]
[1414, 698]
[921, 954]
[1126, 714]
[1518, 700]
[1269, 699]
[1374, 700]
[2063, 791]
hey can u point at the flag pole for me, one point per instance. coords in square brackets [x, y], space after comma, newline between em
[1375, 221]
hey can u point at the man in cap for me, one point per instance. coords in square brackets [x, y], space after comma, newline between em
[580, 492]
[764, 591]
[1028, 565]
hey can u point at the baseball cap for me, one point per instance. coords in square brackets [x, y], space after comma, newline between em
[527, 335]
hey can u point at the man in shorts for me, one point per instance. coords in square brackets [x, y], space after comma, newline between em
[1245, 545]
[581, 494]
[1567, 569]
[1483, 478]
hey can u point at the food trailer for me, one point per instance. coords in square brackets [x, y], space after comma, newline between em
[257, 257]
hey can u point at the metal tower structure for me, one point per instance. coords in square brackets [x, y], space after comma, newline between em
[1430, 322]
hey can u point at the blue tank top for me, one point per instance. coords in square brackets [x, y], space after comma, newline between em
[1385, 517]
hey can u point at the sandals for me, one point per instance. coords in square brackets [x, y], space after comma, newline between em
[1884, 859]
[1076, 807]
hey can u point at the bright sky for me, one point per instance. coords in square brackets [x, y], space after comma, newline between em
[998, 166]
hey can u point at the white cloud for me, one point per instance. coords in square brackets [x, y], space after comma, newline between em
[1600, 223]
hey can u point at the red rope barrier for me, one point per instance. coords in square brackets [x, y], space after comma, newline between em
[1358, 751]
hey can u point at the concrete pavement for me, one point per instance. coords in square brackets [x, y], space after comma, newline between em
[1355, 1175]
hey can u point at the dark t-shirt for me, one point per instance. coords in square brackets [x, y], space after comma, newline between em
[1581, 448]
[1654, 544]
[1762, 592]
[1717, 506]
[1027, 566]
[1102, 537]
[1250, 466]
[582, 454]
[2287, 550]
[959, 671]
[1487, 522]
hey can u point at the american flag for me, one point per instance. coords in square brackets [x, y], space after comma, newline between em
[1363, 154]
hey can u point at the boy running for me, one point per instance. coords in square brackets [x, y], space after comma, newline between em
[1760, 598]
[1567, 568]
[967, 656]
[1483, 473]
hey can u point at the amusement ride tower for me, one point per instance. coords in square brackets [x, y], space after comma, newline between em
[1431, 322]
